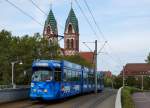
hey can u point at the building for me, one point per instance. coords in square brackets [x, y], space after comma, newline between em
[71, 34]
[107, 74]
[133, 69]
[89, 56]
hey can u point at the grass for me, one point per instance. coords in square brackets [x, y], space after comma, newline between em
[126, 97]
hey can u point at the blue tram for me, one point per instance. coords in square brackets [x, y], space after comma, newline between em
[53, 79]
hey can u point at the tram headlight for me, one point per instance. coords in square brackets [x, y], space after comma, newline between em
[45, 91]
[32, 84]
[34, 90]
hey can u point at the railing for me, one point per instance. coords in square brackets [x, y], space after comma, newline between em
[118, 99]
[5, 86]
[10, 86]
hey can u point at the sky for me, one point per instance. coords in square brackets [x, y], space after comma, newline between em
[124, 23]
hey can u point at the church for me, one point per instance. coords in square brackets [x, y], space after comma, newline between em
[71, 35]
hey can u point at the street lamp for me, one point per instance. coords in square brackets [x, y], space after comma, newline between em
[12, 76]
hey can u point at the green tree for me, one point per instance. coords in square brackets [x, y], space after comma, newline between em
[148, 58]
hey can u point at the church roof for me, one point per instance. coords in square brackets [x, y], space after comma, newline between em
[73, 20]
[52, 21]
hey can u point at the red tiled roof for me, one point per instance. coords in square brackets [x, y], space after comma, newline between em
[89, 56]
[107, 73]
[137, 69]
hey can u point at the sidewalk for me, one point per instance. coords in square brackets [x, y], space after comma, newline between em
[141, 100]
[108, 103]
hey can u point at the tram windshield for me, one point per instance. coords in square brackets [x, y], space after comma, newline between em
[42, 75]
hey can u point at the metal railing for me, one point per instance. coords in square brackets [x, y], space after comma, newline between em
[11, 86]
[118, 103]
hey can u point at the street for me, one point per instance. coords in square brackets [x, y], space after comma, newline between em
[141, 100]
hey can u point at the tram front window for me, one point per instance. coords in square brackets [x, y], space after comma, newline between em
[42, 75]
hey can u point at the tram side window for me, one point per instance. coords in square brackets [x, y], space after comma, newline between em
[65, 75]
[85, 76]
[79, 76]
[90, 78]
[69, 75]
[57, 74]
[73, 77]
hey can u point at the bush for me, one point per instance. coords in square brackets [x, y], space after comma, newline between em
[126, 97]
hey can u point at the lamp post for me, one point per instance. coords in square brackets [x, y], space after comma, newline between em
[12, 76]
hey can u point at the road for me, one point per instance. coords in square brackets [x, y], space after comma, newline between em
[141, 100]
[100, 100]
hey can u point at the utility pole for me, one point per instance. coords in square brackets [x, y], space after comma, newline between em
[95, 64]
[142, 82]
[96, 53]
[123, 76]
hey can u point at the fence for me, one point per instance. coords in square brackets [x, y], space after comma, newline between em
[10, 86]
[118, 99]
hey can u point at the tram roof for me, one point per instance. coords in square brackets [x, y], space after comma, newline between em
[56, 63]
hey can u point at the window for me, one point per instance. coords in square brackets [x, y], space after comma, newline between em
[72, 46]
[77, 44]
[67, 43]
[42, 75]
[57, 74]
[70, 28]
[48, 30]
[73, 78]
[65, 75]
[71, 75]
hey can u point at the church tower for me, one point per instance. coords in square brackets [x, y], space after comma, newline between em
[50, 29]
[71, 34]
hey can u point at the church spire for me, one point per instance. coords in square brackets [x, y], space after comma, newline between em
[72, 19]
[50, 28]
[71, 34]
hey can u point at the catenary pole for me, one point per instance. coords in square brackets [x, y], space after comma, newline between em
[95, 69]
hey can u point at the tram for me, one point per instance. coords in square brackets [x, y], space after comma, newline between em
[54, 79]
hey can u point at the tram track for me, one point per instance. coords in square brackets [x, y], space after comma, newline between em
[93, 101]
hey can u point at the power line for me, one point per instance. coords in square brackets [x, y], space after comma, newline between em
[88, 46]
[87, 20]
[12, 4]
[94, 20]
[42, 10]
[37, 7]
[100, 31]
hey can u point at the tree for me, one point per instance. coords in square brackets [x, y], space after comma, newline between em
[148, 58]
[27, 48]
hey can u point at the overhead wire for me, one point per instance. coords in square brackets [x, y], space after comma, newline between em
[100, 31]
[25, 13]
[87, 20]
[33, 3]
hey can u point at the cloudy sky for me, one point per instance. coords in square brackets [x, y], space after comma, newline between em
[124, 23]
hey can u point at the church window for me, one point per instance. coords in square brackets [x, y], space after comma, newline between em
[77, 44]
[72, 44]
[67, 43]
[48, 30]
[70, 28]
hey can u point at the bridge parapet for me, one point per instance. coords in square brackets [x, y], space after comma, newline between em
[11, 94]
[118, 103]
